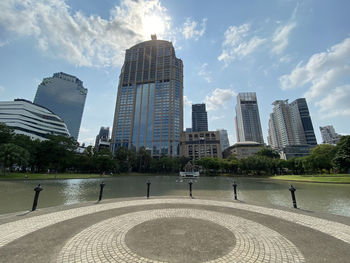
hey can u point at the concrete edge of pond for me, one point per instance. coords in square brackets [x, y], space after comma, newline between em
[11, 217]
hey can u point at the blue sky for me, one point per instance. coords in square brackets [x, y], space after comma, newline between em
[281, 49]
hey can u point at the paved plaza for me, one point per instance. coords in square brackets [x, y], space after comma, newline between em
[173, 230]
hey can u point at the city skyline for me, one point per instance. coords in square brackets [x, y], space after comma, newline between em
[277, 49]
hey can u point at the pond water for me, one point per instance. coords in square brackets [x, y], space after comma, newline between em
[330, 198]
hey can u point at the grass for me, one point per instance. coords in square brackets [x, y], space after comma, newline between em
[319, 178]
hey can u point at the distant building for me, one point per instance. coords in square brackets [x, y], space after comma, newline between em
[149, 107]
[248, 126]
[199, 118]
[102, 139]
[196, 145]
[64, 95]
[242, 149]
[27, 118]
[290, 124]
[224, 139]
[188, 129]
[329, 135]
[293, 151]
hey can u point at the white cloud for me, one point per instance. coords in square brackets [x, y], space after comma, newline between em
[215, 118]
[84, 130]
[192, 29]
[280, 37]
[327, 75]
[79, 39]
[336, 103]
[187, 102]
[205, 73]
[218, 98]
[238, 44]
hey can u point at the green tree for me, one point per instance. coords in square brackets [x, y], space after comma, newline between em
[11, 154]
[57, 153]
[342, 155]
[268, 152]
[6, 133]
[321, 158]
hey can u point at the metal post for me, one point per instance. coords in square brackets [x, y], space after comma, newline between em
[148, 186]
[101, 191]
[37, 190]
[234, 189]
[292, 190]
[190, 183]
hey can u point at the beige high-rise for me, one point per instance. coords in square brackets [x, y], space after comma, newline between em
[149, 107]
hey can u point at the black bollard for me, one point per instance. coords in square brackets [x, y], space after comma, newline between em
[37, 190]
[234, 189]
[292, 190]
[148, 185]
[190, 184]
[101, 191]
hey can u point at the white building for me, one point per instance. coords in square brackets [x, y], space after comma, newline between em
[290, 124]
[248, 126]
[27, 118]
[329, 135]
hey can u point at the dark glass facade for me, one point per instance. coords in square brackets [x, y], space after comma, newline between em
[149, 100]
[199, 118]
[64, 95]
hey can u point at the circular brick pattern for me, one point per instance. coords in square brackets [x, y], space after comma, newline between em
[106, 241]
[180, 240]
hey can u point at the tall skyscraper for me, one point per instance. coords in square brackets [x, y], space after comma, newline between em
[224, 139]
[65, 96]
[290, 124]
[199, 118]
[248, 126]
[149, 107]
[329, 135]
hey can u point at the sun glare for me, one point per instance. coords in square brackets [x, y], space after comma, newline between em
[153, 25]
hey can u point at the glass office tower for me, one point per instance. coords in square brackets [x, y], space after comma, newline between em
[149, 106]
[248, 126]
[64, 95]
[199, 118]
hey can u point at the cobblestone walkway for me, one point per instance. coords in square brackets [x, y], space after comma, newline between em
[105, 241]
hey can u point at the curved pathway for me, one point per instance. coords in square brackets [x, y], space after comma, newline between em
[175, 230]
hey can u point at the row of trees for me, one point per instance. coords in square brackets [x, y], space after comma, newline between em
[58, 154]
[324, 158]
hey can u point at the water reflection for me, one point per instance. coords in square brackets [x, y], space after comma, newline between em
[329, 198]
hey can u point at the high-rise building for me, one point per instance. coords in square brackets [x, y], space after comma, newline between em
[290, 124]
[149, 107]
[102, 139]
[329, 135]
[199, 118]
[224, 139]
[248, 126]
[64, 95]
[27, 118]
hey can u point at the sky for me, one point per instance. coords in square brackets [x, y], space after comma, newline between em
[280, 49]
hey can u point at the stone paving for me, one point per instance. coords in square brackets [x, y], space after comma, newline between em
[107, 240]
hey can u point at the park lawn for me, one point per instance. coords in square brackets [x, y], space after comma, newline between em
[322, 178]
